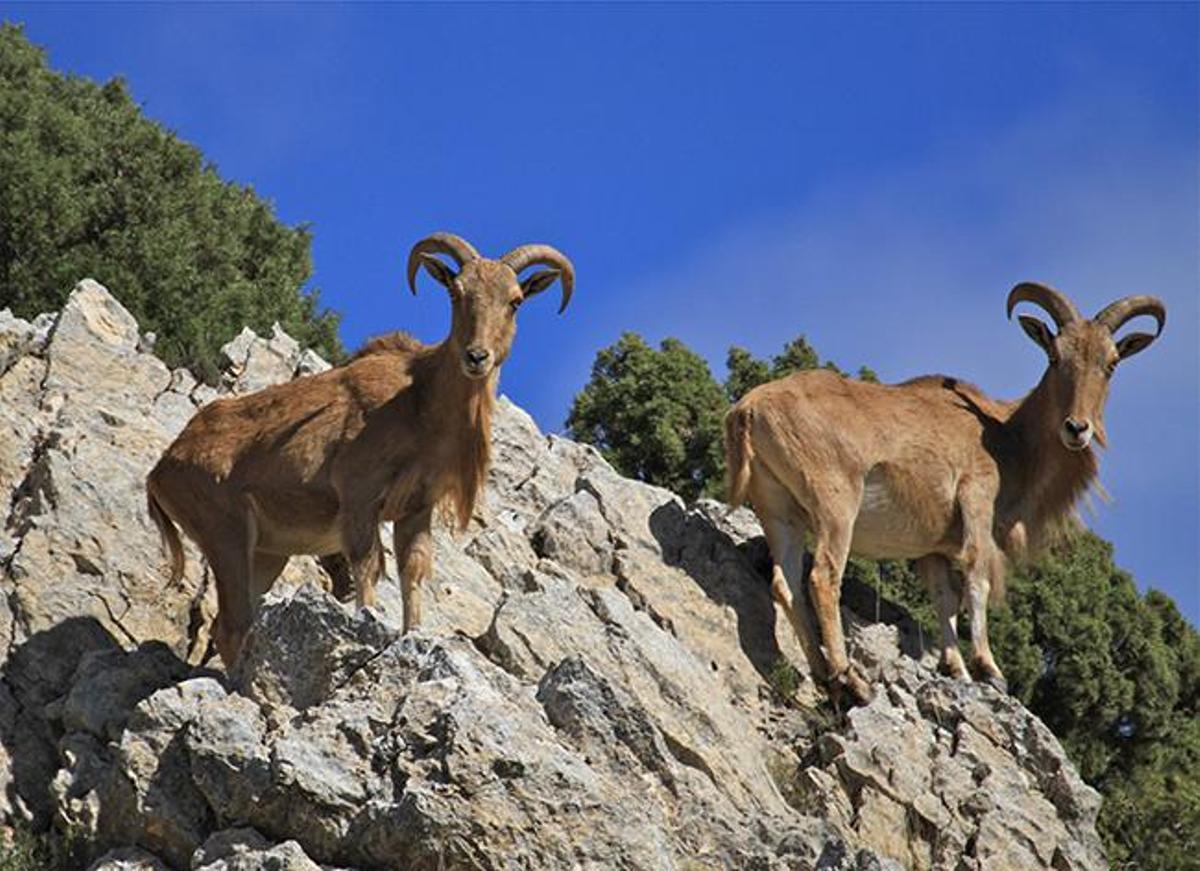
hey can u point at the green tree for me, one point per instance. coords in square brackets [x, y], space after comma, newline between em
[654, 414]
[1116, 675]
[1092, 662]
[797, 356]
[1151, 815]
[744, 373]
[91, 187]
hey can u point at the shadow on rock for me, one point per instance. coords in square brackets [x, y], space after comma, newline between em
[37, 673]
[729, 577]
[735, 570]
[72, 680]
[868, 606]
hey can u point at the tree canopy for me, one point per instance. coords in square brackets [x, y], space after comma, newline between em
[91, 187]
[1116, 675]
[654, 414]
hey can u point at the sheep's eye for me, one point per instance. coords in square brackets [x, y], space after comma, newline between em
[1110, 367]
[514, 305]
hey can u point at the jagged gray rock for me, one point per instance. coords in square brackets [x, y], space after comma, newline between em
[128, 859]
[594, 686]
[247, 850]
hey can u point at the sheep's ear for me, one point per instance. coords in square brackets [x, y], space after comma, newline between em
[1129, 345]
[539, 281]
[1039, 332]
[441, 273]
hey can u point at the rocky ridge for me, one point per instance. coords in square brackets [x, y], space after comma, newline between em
[599, 683]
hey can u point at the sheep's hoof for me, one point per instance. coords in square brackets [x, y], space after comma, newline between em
[953, 669]
[996, 682]
[851, 683]
[990, 675]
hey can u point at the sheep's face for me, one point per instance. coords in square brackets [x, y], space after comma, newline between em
[1083, 355]
[485, 297]
[485, 294]
[1083, 358]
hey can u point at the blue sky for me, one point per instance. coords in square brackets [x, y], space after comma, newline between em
[874, 176]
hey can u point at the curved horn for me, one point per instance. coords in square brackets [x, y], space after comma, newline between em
[1058, 306]
[544, 255]
[439, 243]
[1115, 314]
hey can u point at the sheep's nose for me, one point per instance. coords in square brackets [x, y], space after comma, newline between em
[477, 356]
[1076, 427]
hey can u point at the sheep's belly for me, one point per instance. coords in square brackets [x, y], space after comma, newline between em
[296, 521]
[887, 528]
[296, 539]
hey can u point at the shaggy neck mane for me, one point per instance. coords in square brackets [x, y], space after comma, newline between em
[1047, 479]
[461, 414]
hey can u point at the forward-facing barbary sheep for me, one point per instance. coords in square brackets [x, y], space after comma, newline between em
[312, 466]
[931, 470]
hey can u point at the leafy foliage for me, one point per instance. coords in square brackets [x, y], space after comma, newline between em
[54, 850]
[1151, 814]
[91, 187]
[746, 372]
[1116, 676]
[654, 414]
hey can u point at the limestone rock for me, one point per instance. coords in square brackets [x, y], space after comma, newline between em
[19, 337]
[128, 859]
[150, 797]
[310, 363]
[575, 534]
[294, 656]
[247, 850]
[255, 363]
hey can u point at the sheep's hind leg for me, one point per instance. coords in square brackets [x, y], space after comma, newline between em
[341, 580]
[782, 520]
[229, 550]
[831, 550]
[360, 539]
[786, 542]
[413, 542]
[267, 568]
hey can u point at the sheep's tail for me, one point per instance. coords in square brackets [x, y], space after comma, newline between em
[167, 532]
[738, 453]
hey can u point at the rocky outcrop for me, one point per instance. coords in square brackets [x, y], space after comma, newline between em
[599, 683]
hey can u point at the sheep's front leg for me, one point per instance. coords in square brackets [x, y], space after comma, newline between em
[413, 541]
[983, 564]
[979, 584]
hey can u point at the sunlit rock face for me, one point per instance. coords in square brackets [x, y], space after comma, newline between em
[597, 683]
